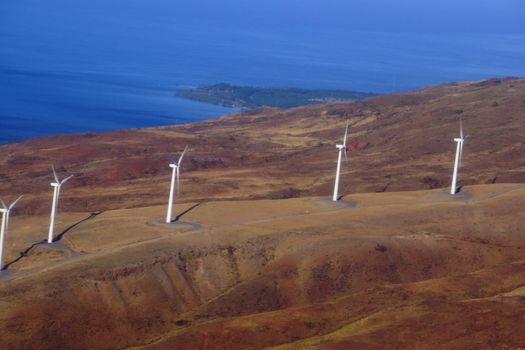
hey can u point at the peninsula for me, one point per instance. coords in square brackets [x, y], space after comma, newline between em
[253, 97]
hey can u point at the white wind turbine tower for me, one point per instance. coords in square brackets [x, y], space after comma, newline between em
[341, 148]
[459, 153]
[56, 192]
[5, 210]
[175, 177]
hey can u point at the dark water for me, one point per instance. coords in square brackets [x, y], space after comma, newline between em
[69, 66]
[40, 103]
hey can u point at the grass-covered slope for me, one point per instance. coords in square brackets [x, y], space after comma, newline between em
[397, 142]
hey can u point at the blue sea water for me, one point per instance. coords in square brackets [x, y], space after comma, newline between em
[70, 66]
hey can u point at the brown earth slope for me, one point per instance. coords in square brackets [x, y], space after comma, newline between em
[409, 270]
[396, 270]
[397, 142]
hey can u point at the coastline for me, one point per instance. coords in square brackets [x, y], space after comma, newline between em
[206, 108]
[197, 111]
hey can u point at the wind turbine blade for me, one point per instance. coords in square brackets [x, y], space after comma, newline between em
[67, 178]
[346, 134]
[461, 128]
[14, 203]
[3, 204]
[55, 174]
[182, 155]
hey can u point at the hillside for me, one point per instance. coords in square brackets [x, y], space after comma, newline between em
[410, 270]
[259, 257]
[398, 142]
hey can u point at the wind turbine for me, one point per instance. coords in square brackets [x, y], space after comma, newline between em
[56, 192]
[5, 210]
[341, 148]
[175, 177]
[459, 153]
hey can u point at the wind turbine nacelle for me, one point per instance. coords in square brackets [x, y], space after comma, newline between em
[3, 211]
[340, 146]
[174, 166]
[54, 184]
[458, 140]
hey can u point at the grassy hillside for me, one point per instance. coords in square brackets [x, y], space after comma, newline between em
[395, 269]
[410, 270]
[397, 142]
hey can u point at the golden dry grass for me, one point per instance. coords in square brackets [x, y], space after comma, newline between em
[381, 270]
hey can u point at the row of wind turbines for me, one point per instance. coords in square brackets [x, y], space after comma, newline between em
[455, 174]
[57, 186]
[6, 211]
[175, 187]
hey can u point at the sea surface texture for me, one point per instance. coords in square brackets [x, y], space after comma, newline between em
[72, 66]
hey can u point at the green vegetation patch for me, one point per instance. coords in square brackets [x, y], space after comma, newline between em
[253, 97]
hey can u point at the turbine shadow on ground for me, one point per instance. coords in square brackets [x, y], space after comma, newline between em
[382, 190]
[61, 235]
[178, 217]
[25, 252]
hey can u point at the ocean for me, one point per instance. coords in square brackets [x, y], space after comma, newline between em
[69, 66]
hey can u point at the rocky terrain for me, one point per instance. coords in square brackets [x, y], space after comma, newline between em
[259, 257]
